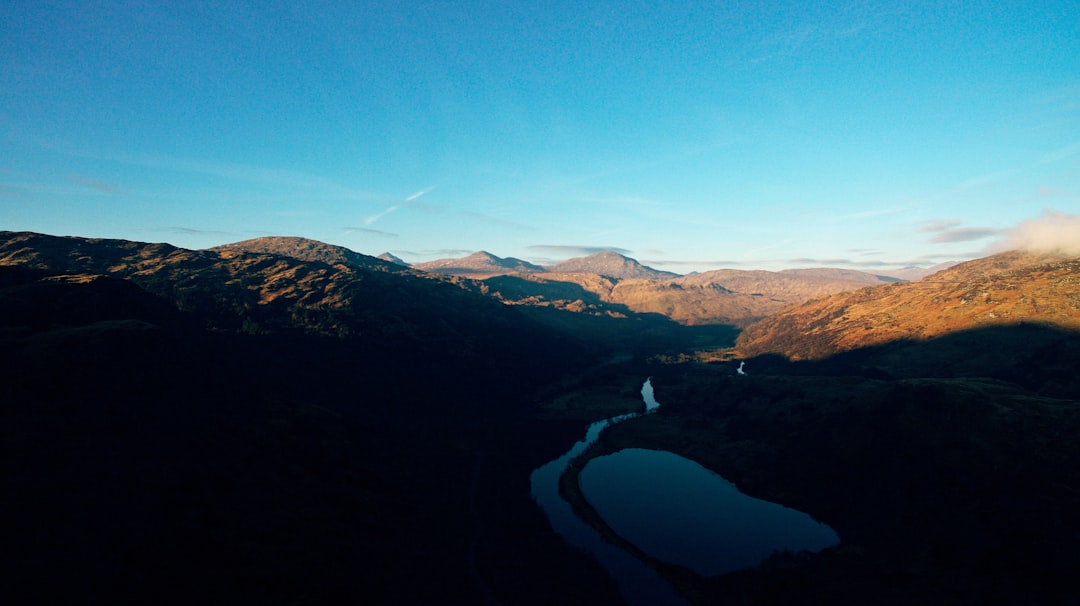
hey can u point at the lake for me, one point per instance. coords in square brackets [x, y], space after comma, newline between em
[677, 511]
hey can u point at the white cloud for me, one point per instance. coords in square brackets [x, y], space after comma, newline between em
[1053, 232]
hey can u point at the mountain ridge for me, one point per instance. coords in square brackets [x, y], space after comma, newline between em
[1006, 288]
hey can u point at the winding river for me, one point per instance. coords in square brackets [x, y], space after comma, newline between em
[671, 508]
[638, 583]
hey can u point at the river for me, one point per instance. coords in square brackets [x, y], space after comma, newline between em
[639, 584]
[671, 508]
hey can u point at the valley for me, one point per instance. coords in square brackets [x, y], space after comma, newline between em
[292, 422]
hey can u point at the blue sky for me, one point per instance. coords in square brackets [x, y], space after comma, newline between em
[690, 136]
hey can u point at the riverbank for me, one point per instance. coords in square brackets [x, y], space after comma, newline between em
[685, 582]
[942, 490]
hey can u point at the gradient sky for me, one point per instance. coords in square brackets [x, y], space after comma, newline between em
[690, 136]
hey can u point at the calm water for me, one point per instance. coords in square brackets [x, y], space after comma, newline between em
[638, 583]
[680, 512]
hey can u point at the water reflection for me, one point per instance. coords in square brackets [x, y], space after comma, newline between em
[677, 511]
[638, 583]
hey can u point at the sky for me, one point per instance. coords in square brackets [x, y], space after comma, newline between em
[687, 135]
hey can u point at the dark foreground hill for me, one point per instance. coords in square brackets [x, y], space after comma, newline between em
[187, 426]
[943, 490]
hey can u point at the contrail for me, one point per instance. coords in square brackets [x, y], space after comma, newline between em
[419, 193]
[377, 216]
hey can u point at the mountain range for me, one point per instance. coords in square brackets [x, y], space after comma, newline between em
[613, 284]
[289, 421]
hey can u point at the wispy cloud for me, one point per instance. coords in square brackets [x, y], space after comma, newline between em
[947, 231]
[568, 249]
[100, 186]
[1053, 231]
[190, 231]
[366, 230]
[713, 263]
[801, 38]
[1062, 153]
[936, 225]
[10, 192]
[963, 234]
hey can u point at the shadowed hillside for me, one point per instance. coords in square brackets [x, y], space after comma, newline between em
[947, 483]
[282, 431]
[289, 431]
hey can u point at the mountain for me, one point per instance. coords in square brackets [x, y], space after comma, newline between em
[735, 296]
[726, 296]
[1004, 289]
[610, 265]
[916, 273]
[308, 250]
[477, 264]
[270, 426]
[234, 290]
[611, 284]
[393, 259]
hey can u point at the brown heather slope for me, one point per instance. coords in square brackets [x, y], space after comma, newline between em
[477, 265]
[614, 285]
[309, 250]
[732, 296]
[236, 291]
[1005, 289]
[725, 296]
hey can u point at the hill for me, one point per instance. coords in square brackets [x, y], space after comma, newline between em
[234, 290]
[478, 264]
[309, 250]
[609, 265]
[269, 426]
[1003, 289]
[728, 296]
[612, 284]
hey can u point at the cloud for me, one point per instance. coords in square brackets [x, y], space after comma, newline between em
[939, 225]
[948, 230]
[689, 263]
[1062, 153]
[365, 230]
[964, 234]
[1053, 232]
[188, 231]
[100, 186]
[577, 250]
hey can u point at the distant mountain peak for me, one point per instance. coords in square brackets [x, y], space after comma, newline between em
[479, 263]
[611, 265]
[392, 258]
